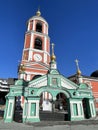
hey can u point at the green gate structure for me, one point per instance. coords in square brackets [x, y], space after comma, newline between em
[51, 92]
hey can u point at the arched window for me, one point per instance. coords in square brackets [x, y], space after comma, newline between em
[39, 27]
[38, 44]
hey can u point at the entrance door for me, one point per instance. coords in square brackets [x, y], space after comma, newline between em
[61, 105]
[18, 109]
[86, 108]
[61, 102]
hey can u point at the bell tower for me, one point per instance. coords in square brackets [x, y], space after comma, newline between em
[36, 51]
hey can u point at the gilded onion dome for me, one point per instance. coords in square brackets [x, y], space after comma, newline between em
[38, 13]
[53, 57]
[78, 72]
[21, 68]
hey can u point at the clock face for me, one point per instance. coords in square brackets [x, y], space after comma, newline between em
[37, 57]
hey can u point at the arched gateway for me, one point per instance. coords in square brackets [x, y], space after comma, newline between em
[50, 93]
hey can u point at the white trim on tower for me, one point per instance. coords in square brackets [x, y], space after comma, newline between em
[33, 24]
[30, 50]
[44, 29]
[45, 47]
[28, 26]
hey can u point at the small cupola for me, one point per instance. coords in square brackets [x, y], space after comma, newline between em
[38, 13]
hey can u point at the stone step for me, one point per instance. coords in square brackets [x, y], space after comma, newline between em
[52, 116]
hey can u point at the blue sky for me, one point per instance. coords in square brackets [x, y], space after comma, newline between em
[73, 27]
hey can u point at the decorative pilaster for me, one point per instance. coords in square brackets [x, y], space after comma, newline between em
[31, 110]
[9, 110]
[76, 109]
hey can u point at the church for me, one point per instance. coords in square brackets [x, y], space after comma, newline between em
[41, 92]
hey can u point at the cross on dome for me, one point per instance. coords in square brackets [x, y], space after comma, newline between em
[53, 57]
[77, 65]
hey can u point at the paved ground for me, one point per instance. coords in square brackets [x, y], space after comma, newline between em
[50, 125]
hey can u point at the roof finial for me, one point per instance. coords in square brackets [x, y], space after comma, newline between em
[21, 68]
[38, 13]
[53, 57]
[77, 65]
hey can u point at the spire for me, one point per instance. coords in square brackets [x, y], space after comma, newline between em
[38, 13]
[78, 70]
[53, 57]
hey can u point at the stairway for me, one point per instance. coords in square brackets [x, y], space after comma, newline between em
[52, 116]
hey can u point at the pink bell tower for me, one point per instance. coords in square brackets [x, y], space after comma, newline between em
[36, 53]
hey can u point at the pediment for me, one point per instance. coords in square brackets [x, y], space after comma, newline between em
[66, 83]
[39, 82]
[63, 83]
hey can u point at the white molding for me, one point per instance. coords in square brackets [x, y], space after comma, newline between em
[13, 103]
[38, 18]
[35, 73]
[33, 25]
[39, 83]
[45, 39]
[44, 28]
[67, 85]
[35, 70]
[32, 40]
[78, 106]
[28, 26]
[30, 49]
[45, 58]
[92, 110]
[25, 110]
[36, 50]
[29, 108]
[89, 78]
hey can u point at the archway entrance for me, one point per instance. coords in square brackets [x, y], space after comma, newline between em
[53, 110]
[61, 102]
[86, 108]
[45, 101]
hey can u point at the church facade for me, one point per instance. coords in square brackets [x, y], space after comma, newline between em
[40, 87]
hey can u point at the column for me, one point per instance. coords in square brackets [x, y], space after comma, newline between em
[76, 109]
[92, 108]
[9, 110]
